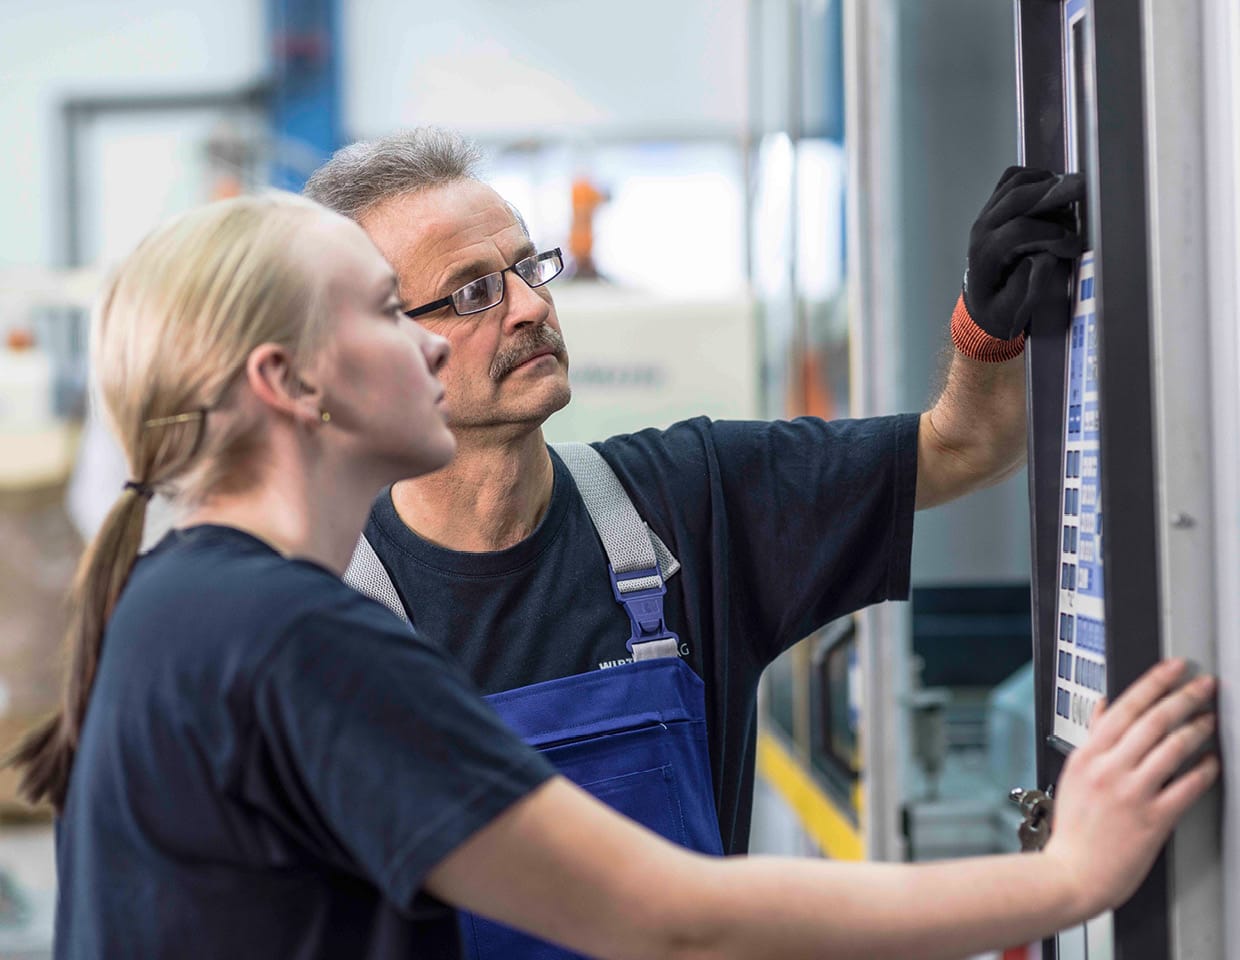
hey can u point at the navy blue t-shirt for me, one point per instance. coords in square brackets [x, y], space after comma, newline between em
[270, 766]
[780, 528]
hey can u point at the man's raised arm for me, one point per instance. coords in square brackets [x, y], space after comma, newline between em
[1021, 251]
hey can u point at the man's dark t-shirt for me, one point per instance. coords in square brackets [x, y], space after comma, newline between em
[270, 766]
[780, 528]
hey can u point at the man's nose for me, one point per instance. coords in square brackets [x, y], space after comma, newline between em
[525, 305]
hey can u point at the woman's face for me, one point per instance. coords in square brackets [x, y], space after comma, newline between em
[377, 369]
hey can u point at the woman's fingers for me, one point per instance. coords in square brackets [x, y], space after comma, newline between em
[1162, 718]
[1138, 698]
[1119, 795]
[1185, 790]
[1172, 753]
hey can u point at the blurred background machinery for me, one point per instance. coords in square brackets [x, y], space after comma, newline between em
[936, 701]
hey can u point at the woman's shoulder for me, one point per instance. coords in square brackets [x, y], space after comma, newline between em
[218, 586]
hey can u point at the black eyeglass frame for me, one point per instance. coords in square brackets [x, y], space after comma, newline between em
[450, 300]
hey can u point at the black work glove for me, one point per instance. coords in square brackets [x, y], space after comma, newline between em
[1022, 250]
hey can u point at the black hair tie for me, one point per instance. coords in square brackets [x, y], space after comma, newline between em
[144, 490]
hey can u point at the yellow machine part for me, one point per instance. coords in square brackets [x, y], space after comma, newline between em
[833, 829]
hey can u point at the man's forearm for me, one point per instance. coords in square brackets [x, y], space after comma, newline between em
[974, 435]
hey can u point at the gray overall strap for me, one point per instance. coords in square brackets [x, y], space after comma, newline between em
[629, 542]
[640, 562]
[631, 546]
[366, 574]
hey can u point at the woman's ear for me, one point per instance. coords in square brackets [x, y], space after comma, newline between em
[270, 374]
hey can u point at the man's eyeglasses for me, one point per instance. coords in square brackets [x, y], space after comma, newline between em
[486, 292]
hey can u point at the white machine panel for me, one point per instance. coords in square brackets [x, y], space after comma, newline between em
[640, 360]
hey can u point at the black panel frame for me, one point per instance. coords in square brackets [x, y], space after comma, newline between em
[1126, 402]
[1040, 91]
[1120, 227]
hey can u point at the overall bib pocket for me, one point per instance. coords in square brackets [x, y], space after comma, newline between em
[634, 737]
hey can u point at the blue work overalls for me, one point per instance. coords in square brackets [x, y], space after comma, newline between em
[633, 735]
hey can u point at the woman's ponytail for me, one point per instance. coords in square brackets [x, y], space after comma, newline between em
[172, 331]
[45, 755]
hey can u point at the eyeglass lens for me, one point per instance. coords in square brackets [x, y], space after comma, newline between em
[486, 292]
[480, 294]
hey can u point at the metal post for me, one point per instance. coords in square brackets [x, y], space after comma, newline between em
[869, 57]
[1220, 32]
[1181, 328]
[304, 44]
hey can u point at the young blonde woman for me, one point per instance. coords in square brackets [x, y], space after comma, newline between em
[252, 760]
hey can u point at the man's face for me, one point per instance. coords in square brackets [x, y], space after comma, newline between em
[508, 366]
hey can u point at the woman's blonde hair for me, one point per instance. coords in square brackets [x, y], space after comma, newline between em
[171, 333]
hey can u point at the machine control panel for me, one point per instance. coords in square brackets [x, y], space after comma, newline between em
[1080, 643]
[1081, 624]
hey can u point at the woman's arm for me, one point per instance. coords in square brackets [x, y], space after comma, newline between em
[566, 868]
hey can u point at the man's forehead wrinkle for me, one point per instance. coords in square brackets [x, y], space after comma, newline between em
[470, 253]
[430, 236]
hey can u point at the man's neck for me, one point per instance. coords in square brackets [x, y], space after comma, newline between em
[490, 497]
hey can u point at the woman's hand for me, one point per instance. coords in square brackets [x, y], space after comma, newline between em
[1116, 802]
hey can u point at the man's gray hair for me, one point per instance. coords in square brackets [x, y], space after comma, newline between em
[366, 173]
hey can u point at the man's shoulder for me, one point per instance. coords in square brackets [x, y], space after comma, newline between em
[678, 432]
[688, 447]
[685, 437]
[741, 437]
[723, 460]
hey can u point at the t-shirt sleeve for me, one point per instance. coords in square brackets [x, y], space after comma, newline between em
[373, 750]
[806, 520]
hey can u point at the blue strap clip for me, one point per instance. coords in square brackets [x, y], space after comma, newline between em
[644, 607]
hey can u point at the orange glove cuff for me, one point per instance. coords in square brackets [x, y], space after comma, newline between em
[976, 344]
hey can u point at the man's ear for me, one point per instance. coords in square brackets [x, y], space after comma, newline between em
[270, 374]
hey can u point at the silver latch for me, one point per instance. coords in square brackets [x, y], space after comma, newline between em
[1038, 806]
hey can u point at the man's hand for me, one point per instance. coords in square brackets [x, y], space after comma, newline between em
[1021, 253]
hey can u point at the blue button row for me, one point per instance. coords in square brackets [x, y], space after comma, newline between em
[1090, 635]
[1091, 674]
[1075, 707]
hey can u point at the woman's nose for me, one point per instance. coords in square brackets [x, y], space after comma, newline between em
[436, 350]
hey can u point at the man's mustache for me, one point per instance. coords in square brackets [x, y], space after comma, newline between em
[539, 340]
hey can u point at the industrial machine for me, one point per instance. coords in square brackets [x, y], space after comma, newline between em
[1134, 462]
[1132, 467]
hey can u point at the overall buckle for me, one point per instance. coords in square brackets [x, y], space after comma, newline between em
[644, 605]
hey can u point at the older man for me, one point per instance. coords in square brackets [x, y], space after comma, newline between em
[779, 527]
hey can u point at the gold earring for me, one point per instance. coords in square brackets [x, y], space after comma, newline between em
[325, 416]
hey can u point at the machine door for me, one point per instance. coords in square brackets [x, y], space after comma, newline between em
[1102, 401]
